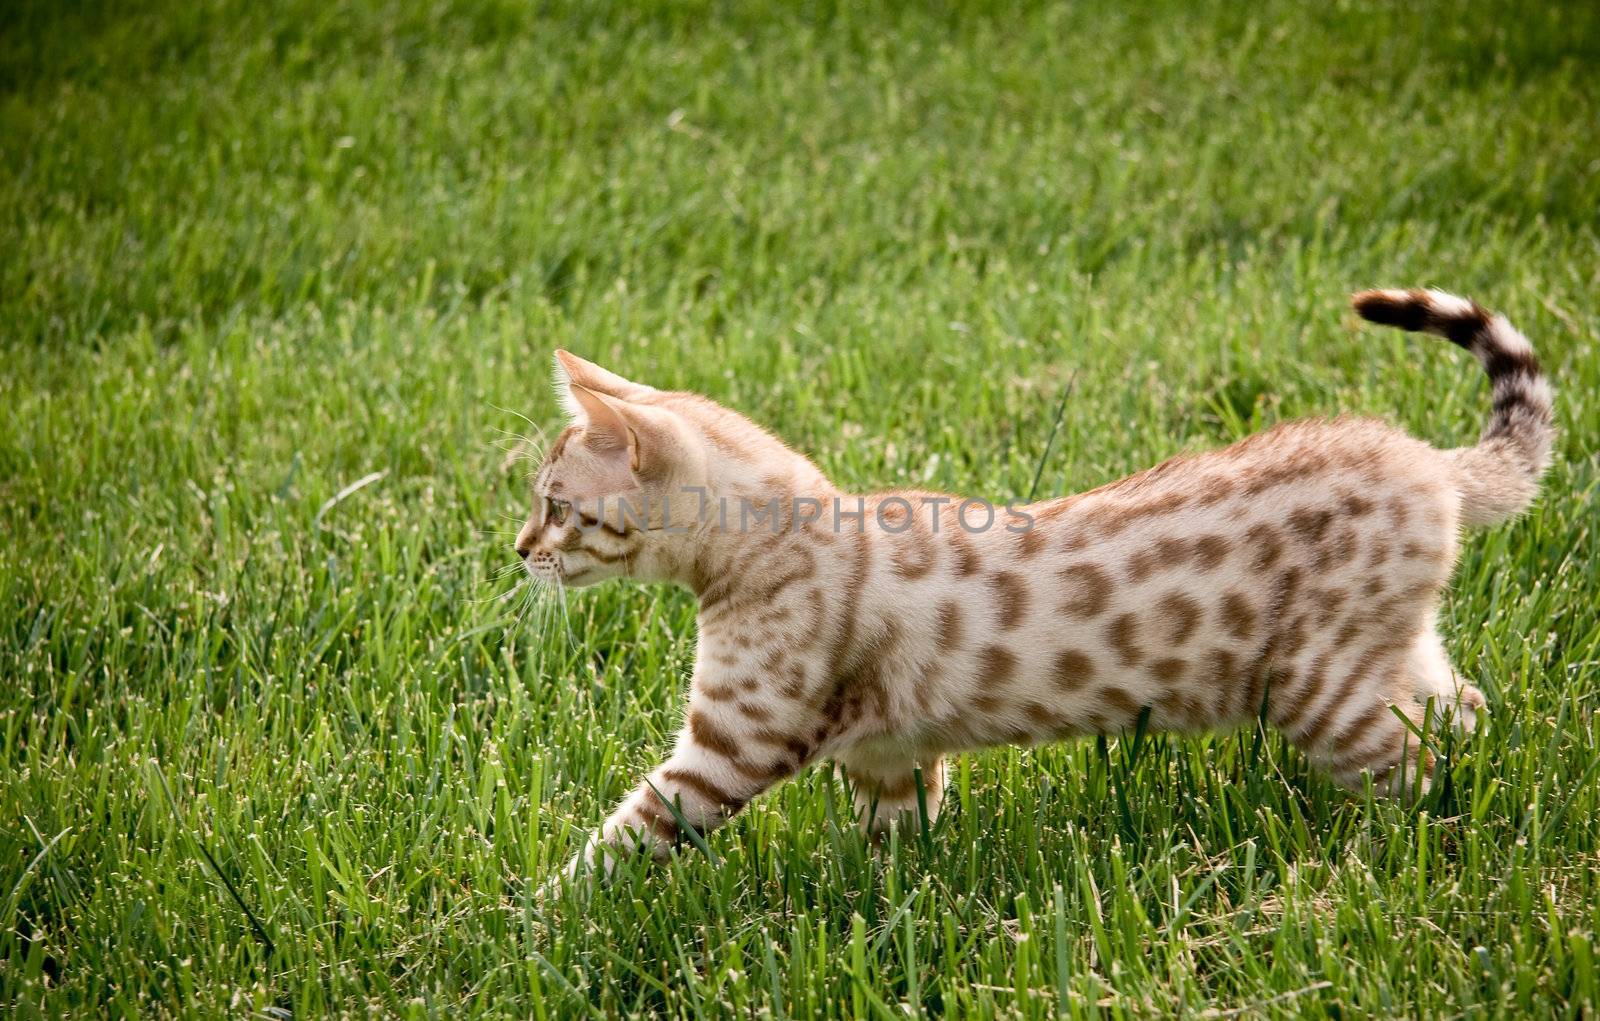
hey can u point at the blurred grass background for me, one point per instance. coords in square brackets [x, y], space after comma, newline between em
[255, 253]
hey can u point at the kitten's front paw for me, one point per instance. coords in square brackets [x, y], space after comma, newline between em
[1470, 706]
[557, 884]
[594, 863]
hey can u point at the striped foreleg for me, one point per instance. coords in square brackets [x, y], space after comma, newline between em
[719, 765]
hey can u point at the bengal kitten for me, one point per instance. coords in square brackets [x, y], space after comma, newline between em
[1294, 574]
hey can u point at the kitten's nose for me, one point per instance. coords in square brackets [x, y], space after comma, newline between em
[523, 552]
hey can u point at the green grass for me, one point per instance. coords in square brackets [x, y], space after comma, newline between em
[254, 253]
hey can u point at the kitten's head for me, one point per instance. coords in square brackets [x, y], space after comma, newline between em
[624, 489]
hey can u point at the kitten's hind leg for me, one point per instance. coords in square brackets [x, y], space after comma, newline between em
[1383, 742]
[1366, 723]
[892, 787]
[1357, 710]
[1436, 681]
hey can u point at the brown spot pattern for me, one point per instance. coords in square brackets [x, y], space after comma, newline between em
[1211, 550]
[1040, 714]
[1142, 564]
[1011, 597]
[1337, 551]
[1329, 602]
[1355, 506]
[950, 625]
[1399, 513]
[1031, 543]
[1122, 635]
[1238, 617]
[1169, 669]
[1172, 551]
[1214, 490]
[1310, 524]
[967, 563]
[1073, 669]
[1181, 615]
[915, 555]
[997, 665]
[1267, 542]
[1220, 668]
[1088, 590]
[1120, 702]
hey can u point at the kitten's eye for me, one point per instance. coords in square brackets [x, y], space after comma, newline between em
[560, 510]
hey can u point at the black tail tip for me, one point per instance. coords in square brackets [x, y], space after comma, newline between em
[1407, 310]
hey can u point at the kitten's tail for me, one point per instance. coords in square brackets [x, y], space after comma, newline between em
[1499, 477]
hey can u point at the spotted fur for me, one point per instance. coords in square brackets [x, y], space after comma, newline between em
[1295, 573]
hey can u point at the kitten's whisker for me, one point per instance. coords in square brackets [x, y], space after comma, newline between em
[529, 600]
[517, 439]
[515, 446]
[531, 447]
[520, 587]
[498, 597]
[561, 597]
[536, 427]
[547, 609]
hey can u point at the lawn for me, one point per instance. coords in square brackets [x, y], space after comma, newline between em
[278, 292]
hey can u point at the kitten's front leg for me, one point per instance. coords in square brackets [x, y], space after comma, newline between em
[720, 763]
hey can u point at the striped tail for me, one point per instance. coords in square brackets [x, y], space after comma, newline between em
[1499, 477]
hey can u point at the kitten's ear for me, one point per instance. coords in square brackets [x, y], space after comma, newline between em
[625, 442]
[571, 368]
[610, 437]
